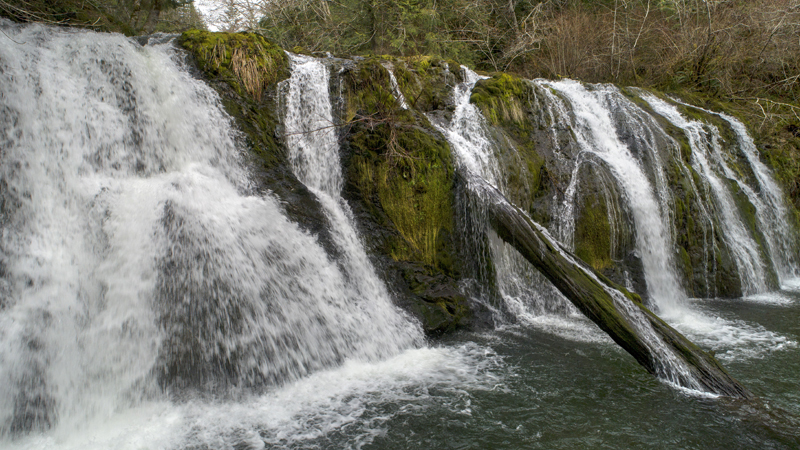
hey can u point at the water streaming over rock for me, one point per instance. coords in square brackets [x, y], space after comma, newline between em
[398, 94]
[314, 155]
[611, 130]
[137, 259]
[139, 265]
[707, 160]
[596, 134]
[526, 294]
[771, 210]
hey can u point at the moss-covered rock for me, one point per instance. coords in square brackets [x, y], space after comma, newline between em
[593, 233]
[400, 182]
[427, 82]
[503, 99]
[247, 61]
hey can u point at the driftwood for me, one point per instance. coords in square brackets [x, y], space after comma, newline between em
[621, 314]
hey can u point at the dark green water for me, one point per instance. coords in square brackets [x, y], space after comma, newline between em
[561, 394]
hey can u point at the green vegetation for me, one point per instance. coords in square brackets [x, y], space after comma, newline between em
[247, 61]
[131, 17]
[399, 165]
[414, 190]
[501, 98]
[593, 233]
[248, 64]
[740, 54]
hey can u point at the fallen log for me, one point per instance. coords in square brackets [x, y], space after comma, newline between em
[659, 348]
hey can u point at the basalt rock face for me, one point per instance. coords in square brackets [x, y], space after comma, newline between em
[624, 180]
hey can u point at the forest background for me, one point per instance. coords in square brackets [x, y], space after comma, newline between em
[740, 56]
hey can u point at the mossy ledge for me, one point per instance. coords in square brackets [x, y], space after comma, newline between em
[400, 182]
[247, 61]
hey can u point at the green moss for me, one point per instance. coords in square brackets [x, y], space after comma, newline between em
[593, 233]
[415, 190]
[258, 125]
[501, 99]
[246, 61]
[248, 65]
[424, 82]
[403, 172]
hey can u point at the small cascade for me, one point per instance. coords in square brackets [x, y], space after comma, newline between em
[467, 134]
[398, 94]
[595, 132]
[314, 156]
[525, 292]
[707, 160]
[771, 211]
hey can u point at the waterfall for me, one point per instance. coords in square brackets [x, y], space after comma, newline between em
[598, 116]
[707, 160]
[474, 153]
[596, 134]
[314, 155]
[770, 205]
[137, 260]
[771, 210]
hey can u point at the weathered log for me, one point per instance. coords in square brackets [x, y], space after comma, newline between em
[659, 348]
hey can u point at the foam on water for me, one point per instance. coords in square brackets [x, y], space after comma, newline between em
[730, 339]
[574, 327]
[792, 285]
[353, 401]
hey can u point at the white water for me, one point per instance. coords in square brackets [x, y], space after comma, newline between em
[475, 156]
[771, 211]
[398, 94]
[707, 160]
[314, 156]
[137, 263]
[526, 294]
[357, 399]
[596, 134]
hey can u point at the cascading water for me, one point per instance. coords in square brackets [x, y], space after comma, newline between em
[150, 297]
[588, 115]
[314, 155]
[138, 263]
[525, 292]
[707, 159]
[597, 133]
[770, 205]
[771, 211]
[398, 94]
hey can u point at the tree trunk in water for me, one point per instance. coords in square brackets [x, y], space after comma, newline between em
[592, 293]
